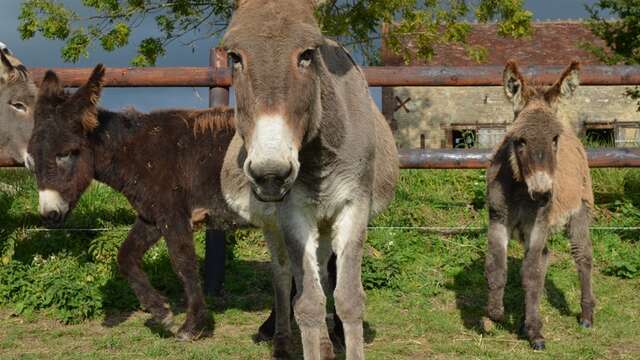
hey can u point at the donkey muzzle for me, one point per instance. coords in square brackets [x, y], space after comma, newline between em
[539, 185]
[52, 207]
[270, 183]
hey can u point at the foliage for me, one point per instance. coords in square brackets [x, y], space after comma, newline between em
[617, 22]
[632, 188]
[357, 23]
[618, 257]
[59, 285]
[73, 276]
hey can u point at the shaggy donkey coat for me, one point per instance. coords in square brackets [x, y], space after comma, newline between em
[538, 181]
[312, 161]
[167, 164]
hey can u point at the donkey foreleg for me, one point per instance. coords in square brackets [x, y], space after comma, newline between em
[349, 235]
[534, 268]
[141, 237]
[495, 269]
[281, 269]
[301, 238]
[582, 249]
[182, 253]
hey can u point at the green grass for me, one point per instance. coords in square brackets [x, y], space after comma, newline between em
[425, 292]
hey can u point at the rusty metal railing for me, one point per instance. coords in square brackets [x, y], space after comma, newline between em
[218, 78]
[479, 159]
[376, 76]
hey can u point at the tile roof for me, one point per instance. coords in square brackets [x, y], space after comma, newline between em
[552, 43]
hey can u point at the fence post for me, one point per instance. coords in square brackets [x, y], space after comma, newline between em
[215, 247]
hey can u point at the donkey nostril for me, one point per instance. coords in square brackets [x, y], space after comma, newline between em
[53, 215]
[288, 174]
[269, 172]
[542, 196]
[250, 171]
[270, 181]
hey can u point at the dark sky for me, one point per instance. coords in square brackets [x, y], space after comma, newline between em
[40, 52]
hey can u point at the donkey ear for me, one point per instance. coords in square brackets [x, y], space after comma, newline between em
[513, 84]
[86, 99]
[240, 3]
[567, 84]
[6, 67]
[51, 85]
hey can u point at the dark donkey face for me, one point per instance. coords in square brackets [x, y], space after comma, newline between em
[63, 159]
[17, 100]
[536, 133]
[273, 48]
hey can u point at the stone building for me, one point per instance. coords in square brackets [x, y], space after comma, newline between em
[447, 116]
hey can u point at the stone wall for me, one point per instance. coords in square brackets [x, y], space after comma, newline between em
[430, 111]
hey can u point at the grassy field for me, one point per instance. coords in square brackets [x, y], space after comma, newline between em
[61, 297]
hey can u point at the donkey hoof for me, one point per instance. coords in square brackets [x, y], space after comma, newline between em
[280, 354]
[188, 335]
[586, 324]
[189, 332]
[261, 336]
[166, 322]
[487, 325]
[266, 331]
[281, 345]
[538, 345]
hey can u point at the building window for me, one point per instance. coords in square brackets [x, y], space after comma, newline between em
[474, 135]
[464, 138]
[610, 134]
[600, 137]
[627, 134]
[423, 141]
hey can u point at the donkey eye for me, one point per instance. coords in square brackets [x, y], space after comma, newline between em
[555, 141]
[235, 60]
[66, 159]
[305, 58]
[18, 106]
[521, 143]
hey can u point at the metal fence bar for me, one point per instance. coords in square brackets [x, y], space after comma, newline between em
[479, 159]
[376, 76]
[215, 244]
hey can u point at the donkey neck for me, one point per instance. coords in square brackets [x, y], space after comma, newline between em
[110, 143]
[337, 116]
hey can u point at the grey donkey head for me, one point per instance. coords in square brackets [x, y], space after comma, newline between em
[276, 73]
[536, 133]
[18, 96]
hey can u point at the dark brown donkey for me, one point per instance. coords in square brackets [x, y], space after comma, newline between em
[312, 162]
[167, 164]
[538, 182]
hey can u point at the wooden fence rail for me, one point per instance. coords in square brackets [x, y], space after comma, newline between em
[376, 76]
